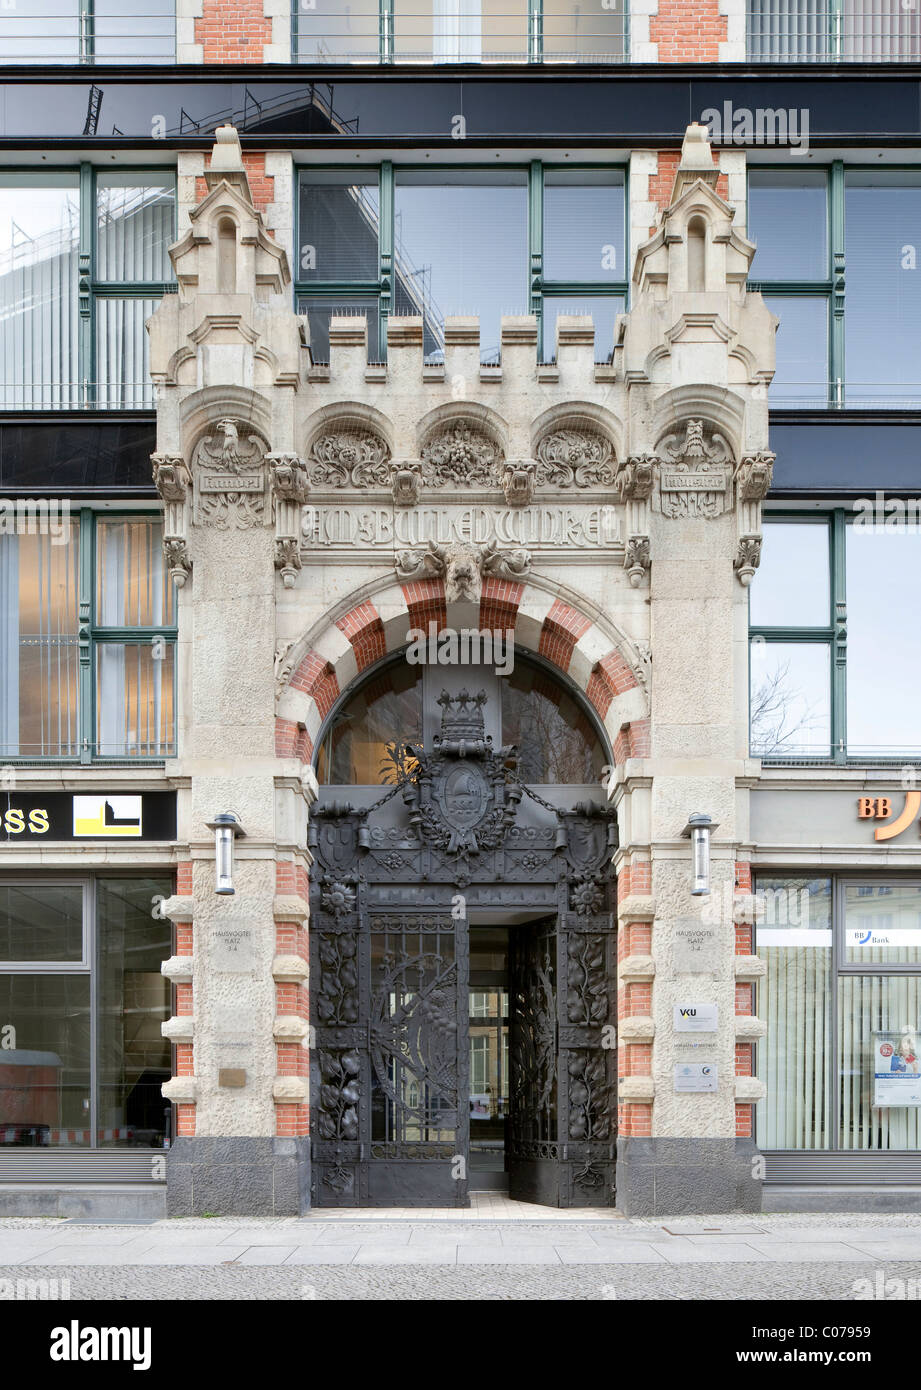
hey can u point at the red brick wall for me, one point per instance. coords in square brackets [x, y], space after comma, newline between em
[661, 183]
[233, 31]
[261, 184]
[688, 33]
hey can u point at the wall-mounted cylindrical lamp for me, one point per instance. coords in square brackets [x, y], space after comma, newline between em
[698, 830]
[226, 828]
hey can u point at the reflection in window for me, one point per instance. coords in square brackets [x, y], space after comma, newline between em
[39, 243]
[555, 737]
[790, 699]
[582, 32]
[319, 311]
[345, 31]
[459, 31]
[41, 922]
[339, 226]
[45, 1082]
[883, 637]
[460, 247]
[794, 1000]
[386, 710]
[133, 1057]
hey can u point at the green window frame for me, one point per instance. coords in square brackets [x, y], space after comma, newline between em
[93, 292]
[831, 634]
[540, 289]
[94, 637]
[839, 392]
[535, 47]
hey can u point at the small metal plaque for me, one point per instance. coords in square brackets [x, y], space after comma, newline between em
[695, 1076]
[232, 1077]
[695, 1018]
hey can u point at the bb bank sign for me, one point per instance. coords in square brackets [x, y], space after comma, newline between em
[543, 528]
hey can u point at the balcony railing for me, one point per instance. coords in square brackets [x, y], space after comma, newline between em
[88, 31]
[459, 31]
[834, 31]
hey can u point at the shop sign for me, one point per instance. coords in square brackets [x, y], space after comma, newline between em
[88, 816]
[883, 808]
[896, 1069]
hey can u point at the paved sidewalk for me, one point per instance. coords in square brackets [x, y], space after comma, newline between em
[326, 1239]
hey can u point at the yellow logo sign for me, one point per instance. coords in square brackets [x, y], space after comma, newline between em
[96, 816]
[880, 808]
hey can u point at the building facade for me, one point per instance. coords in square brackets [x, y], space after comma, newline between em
[459, 506]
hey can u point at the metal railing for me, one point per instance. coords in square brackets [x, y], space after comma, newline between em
[77, 395]
[88, 31]
[846, 395]
[833, 31]
[460, 31]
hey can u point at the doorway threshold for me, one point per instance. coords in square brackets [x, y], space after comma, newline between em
[484, 1206]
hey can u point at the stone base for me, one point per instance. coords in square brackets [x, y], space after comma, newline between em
[238, 1177]
[87, 1201]
[687, 1177]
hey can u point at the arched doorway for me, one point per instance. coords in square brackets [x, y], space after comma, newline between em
[462, 941]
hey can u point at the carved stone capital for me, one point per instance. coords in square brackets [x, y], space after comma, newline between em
[287, 559]
[519, 481]
[463, 567]
[230, 479]
[178, 562]
[747, 559]
[636, 559]
[505, 564]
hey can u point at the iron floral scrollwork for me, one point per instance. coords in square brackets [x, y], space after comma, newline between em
[338, 897]
[589, 1092]
[340, 1093]
[337, 1000]
[586, 979]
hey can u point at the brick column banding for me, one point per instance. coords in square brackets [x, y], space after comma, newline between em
[292, 1119]
[184, 1004]
[233, 31]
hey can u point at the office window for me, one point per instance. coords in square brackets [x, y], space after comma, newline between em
[87, 31]
[841, 1058]
[458, 31]
[788, 221]
[833, 597]
[471, 242]
[115, 697]
[51, 356]
[460, 247]
[823, 31]
[87, 1059]
[882, 288]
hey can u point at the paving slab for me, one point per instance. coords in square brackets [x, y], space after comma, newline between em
[503, 1255]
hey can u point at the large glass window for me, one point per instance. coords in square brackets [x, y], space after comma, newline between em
[113, 697]
[120, 224]
[788, 221]
[556, 738]
[835, 649]
[82, 1000]
[86, 31]
[849, 31]
[458, 31]
[429, 244]
[882, 288]
[460, 247]
[842, 1003]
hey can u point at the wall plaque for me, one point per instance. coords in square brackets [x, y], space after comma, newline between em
[232, 946]
[695, 1018]
[695, 1076]
[696, 947]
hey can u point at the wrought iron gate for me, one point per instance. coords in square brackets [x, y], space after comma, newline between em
[391, 887]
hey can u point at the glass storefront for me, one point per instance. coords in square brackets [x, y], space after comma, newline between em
[842, 1004]
[82, 1058]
